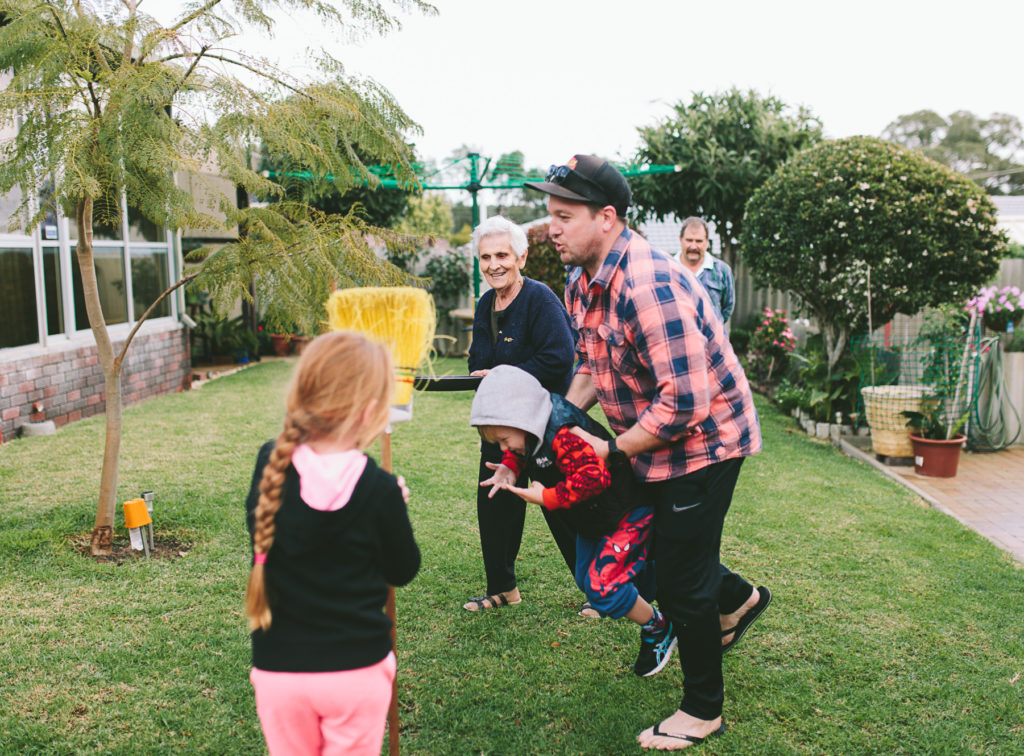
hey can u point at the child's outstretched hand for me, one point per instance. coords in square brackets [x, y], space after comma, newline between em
[534, 494]
[503, 478]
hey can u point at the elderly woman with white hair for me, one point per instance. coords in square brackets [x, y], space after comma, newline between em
[519, 322]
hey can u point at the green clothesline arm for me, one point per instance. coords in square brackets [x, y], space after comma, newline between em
[381, 173]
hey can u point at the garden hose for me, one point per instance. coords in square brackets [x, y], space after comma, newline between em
[990, 431]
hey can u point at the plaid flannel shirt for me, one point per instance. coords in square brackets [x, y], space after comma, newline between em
[658, 356]
[716, 276]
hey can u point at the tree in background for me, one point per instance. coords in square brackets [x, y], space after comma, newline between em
[852, 213]
[724, 146]
[110, 105]
[427, 218]
[989, 150]
[543, 262]
[517, 204]
[429, 214]
[508, 171]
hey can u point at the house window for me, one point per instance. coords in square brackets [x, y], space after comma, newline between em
[19, 322]
[149, 280]
[141, 229]
[53, 291]
[106, 223]
[8, 202]
[109, 264]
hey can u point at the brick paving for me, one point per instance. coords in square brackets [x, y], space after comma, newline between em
[986, 495]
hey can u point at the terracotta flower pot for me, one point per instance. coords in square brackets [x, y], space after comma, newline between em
[937, 457]
[281, 343]
[300, 343]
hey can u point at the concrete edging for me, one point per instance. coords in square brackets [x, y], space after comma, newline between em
[852, 451]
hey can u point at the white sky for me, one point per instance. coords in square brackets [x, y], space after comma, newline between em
[557, 77]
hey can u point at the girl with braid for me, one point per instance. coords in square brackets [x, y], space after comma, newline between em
[330, 531]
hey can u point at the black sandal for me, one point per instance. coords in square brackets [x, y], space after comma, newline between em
[497, 601]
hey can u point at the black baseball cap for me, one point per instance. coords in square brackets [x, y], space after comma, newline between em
[586, 178]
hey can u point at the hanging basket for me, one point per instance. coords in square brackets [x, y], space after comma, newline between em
[884, 407]
[1002, 321]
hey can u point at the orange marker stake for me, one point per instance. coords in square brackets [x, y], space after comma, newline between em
[135, 519]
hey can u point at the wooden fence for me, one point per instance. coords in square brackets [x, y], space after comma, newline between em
[751, 301]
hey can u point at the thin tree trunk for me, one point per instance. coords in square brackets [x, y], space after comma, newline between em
[727, 253]
[103, 529]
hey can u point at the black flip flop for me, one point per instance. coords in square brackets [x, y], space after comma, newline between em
[764, 597]
[690, 738]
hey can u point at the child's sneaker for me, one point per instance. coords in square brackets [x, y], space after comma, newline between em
[655, 651]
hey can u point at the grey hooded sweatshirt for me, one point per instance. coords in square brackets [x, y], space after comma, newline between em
[511, 397]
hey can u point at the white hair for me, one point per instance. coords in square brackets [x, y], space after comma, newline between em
[498, 225]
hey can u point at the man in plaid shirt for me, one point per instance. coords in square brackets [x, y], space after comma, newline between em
[654, 353]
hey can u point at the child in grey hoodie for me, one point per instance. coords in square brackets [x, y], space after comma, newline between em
[533, 427]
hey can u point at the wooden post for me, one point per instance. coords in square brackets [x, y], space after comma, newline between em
[385, 460]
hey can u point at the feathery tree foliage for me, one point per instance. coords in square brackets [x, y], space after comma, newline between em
[110, 106]
[724, 145]
[860, 220]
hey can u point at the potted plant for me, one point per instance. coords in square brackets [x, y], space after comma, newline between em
[937, 443]
[283, 328]
[281, 344]
[222, 340]
[243, 342]
[211, 338]
[945, 407]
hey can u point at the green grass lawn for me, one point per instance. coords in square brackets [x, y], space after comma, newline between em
[893, 629]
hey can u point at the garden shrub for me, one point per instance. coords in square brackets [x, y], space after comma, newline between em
[861, 212]
[788, 396]
[824, 393]
[770, 346]
[740, 340]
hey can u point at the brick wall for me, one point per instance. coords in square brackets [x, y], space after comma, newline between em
[68, 380]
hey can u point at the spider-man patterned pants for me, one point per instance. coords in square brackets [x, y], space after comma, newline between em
[609, 569]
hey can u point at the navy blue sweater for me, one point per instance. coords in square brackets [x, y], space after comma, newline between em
[533, 335]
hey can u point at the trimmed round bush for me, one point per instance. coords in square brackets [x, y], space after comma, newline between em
[847, 211]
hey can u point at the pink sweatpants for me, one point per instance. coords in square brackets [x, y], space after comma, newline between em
[325, 712]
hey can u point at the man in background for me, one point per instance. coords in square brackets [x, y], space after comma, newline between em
[714, 274]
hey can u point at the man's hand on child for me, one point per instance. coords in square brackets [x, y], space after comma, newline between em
[404, 487]
[502, 478]
[534, 494]
[599, 445]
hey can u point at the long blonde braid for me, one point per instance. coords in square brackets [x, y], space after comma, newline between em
[256, 605]
[337, 376]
